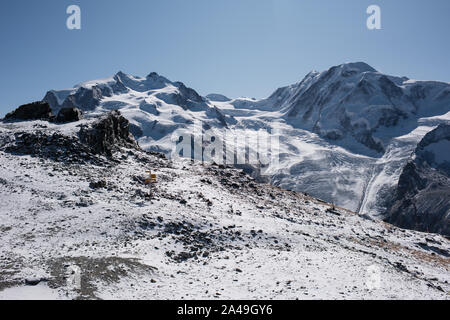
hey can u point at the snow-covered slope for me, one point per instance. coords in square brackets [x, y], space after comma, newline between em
[70, 208]
[345, 133]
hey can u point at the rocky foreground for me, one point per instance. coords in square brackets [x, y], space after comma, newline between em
[74, 198]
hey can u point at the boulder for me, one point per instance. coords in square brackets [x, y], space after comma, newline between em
[33, 111]
[98, 184]
[69, 115]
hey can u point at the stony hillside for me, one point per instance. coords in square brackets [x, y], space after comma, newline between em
[74, 198]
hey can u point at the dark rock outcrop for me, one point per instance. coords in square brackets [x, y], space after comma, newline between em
[422, 198]
[188, 93]
[69, 115]
[108, 133]
[185, 97]
[99, 138]
[98, 184]
[39, 110]
[440, 133]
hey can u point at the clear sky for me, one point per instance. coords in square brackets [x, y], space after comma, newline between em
[233, 47]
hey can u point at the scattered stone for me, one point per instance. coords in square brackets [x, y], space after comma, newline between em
[333, 211]
[34, 281]
[98, 184]
[401, 267]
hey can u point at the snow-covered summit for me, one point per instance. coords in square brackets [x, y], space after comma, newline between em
[217, 97]
[359, 66]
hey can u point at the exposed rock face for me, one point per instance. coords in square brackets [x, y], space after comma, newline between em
[442, 132]
[188, 96]
[422, 199]
[87, 98]
[69, 115]
[106, 134]
[32, 111]
[97, 138]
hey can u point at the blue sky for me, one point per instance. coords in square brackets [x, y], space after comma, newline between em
[233, 47]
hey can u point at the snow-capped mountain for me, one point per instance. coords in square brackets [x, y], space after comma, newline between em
[345, 133]
[78, 221]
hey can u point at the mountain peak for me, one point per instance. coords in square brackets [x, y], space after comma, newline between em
[121, 74]
[359, 66]
[217, 97]
[153, 75]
